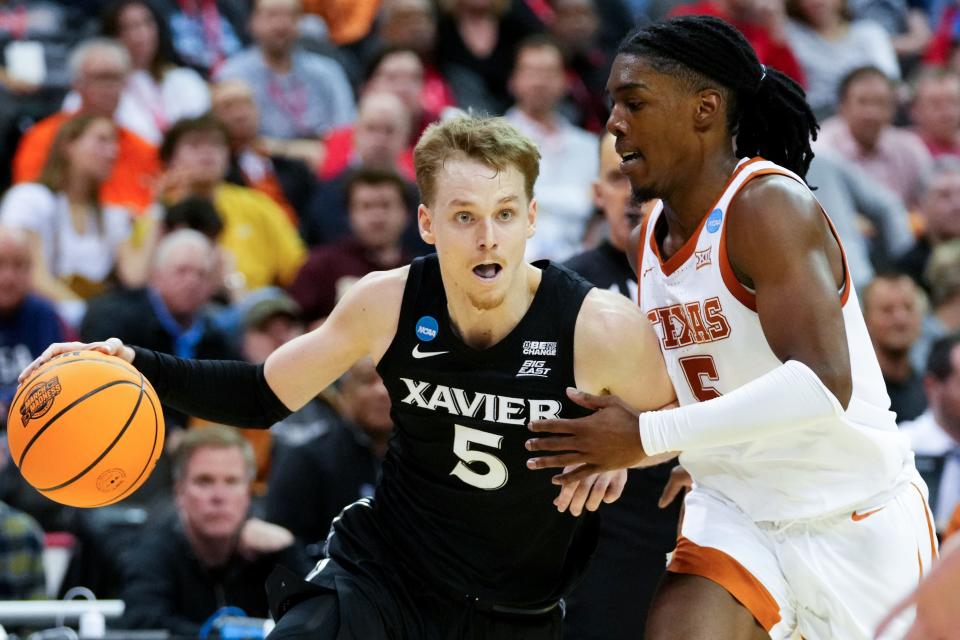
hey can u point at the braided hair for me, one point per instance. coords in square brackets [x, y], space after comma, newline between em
[768, 112]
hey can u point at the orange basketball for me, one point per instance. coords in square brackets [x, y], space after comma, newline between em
[86, 429]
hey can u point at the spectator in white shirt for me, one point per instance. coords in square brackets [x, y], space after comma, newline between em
[568, 160]
[77, 244]
[158, 92]
[828, 45]
[935, 435]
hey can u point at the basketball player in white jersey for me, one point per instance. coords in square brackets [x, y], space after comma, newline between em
[807, 514]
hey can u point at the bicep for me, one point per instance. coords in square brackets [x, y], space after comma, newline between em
[618, 352]
[363, 324]
[781, 240]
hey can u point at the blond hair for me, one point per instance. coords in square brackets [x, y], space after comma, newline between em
[492, 141]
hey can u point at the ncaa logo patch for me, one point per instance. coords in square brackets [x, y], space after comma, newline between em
[427, 328]
[714, 220]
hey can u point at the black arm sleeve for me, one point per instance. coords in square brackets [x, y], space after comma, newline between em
[225, 391]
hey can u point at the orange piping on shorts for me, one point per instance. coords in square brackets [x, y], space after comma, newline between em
[715, 565]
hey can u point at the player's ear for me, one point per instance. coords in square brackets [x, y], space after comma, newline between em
[425, 222]
[710, 106]
[532, 218]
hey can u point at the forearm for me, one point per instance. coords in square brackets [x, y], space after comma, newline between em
[786, 398]
[224, 391]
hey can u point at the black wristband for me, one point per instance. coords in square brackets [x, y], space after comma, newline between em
[224, 391]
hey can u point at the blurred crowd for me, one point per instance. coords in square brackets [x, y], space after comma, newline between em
[208, 177]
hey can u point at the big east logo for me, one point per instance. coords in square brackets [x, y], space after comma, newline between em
[39, 400]
[690, 323]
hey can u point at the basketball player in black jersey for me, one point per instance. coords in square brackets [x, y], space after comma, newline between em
[461, 540]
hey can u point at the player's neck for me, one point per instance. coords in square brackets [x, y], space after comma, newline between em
[686, 207]
[483, 328]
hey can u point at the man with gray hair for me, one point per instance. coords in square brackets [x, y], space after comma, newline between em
[169, 313]
[99, 67]
[210, 555]
[27, 321]
[939, 203]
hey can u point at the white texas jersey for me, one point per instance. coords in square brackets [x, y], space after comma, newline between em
[713, 343]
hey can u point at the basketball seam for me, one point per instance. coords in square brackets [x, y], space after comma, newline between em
[150, 458]
[109, 448]
[41, 430]
[28, 383]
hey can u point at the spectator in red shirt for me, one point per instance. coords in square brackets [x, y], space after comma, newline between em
[400, 71]
[100, 69]
[380, 137]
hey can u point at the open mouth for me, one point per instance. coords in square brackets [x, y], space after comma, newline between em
[487, 271]
[629, 157]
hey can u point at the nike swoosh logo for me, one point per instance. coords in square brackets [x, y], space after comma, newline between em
[426, 354]
[857, 517]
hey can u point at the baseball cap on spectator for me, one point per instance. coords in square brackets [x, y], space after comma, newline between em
[266, 303]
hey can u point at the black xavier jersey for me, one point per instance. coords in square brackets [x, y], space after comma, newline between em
[456, 501]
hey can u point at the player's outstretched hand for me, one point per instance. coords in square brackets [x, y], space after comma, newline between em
[591, 492]
[603, 441]
[935, 598]
[110, 346]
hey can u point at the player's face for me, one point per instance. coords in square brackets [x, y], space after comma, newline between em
[652, 119]
[214, 494]
[479, 220]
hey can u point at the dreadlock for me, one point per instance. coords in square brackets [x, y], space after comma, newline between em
[768, 112]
